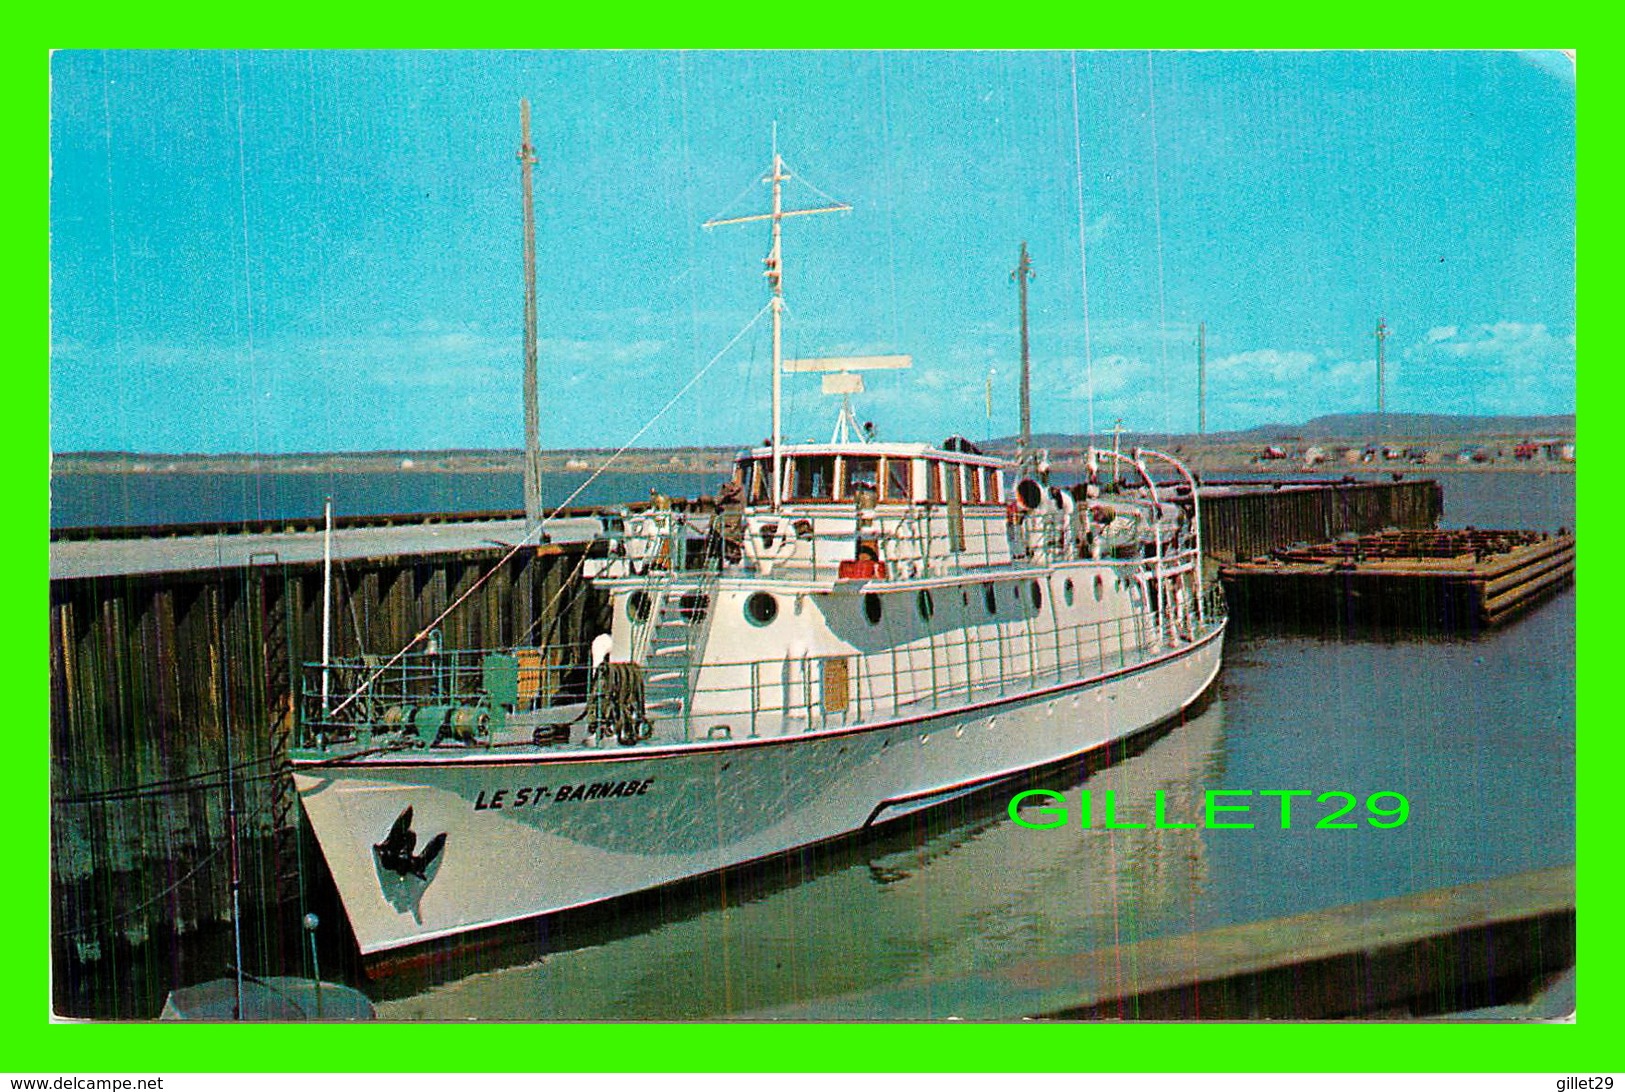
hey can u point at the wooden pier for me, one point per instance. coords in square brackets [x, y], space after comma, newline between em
[1246, 519]
[1454, 581]
[150, 664]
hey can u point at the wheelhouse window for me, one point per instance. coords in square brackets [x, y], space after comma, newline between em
[933, 481]
[761, 475]
[862, 472]
[973, 485]
[814, 478]
[899, 481]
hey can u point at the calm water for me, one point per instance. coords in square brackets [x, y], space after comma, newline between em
[1501, 499]
[100, 500]
[1477, 733]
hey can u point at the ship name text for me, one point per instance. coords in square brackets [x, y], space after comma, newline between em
[528, 797]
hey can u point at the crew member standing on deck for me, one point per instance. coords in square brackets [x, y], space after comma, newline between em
[731, 513]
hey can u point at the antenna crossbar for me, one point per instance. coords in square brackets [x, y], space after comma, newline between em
[775, 215]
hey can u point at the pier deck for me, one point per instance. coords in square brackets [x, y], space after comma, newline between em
[1453, 580]
[187, 549]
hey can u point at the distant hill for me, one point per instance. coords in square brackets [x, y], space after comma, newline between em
[1350, 426]
[1433, 424]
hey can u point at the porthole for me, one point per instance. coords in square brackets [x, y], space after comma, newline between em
[1066, 591]
[924, 604]
[637, 606]
[990, 598]
[872, 609]
[761, 608]
[1100, 587]
[692, 606]
[1037, 595]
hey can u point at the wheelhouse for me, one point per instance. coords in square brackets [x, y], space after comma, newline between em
[886, 474]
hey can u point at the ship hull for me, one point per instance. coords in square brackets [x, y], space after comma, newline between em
[531, 834]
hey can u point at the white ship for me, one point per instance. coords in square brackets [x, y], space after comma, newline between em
[853, 632]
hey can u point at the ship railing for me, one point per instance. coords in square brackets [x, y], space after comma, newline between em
[463, 695]
[431, 695]
[950, 669]
[809, 540]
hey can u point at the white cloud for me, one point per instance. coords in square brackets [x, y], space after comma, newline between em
[1512, 341]
[1499, 367]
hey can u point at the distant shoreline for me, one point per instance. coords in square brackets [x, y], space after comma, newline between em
[1208, 463]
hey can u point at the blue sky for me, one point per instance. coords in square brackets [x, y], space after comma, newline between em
[268, 251]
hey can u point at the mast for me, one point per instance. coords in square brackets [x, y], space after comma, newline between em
[1382, 336]
[327, 608]
[533, 452]
[1201, 379]
[1024, 273]
[775, 279]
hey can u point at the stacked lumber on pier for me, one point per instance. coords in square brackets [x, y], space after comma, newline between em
[1452, 580]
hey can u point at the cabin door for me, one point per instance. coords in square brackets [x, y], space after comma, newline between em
[956, 509]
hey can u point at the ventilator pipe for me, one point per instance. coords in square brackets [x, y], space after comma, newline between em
[1032, 496]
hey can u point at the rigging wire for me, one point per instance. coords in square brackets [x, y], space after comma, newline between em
[103, 923]
[163, 787]
[1083, 253]
[749, 186]
[525, 539]
[547, 611]
[799, 177]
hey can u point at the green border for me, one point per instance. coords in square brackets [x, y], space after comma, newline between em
[33, 1044]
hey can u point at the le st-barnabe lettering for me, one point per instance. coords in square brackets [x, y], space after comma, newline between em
[508, 799]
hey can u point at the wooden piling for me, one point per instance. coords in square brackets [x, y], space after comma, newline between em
[1244, 522]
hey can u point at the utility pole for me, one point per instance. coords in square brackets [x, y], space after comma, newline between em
[533, 450]
[1022, 274]
[1201, 379]
[1382, 336]
[991, 372]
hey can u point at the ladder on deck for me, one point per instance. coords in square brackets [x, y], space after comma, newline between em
[670, 642]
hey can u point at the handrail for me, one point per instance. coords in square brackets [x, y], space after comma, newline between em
[908, 670]
[1196, 512]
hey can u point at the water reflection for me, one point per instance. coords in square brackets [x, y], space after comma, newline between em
[958, 889]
